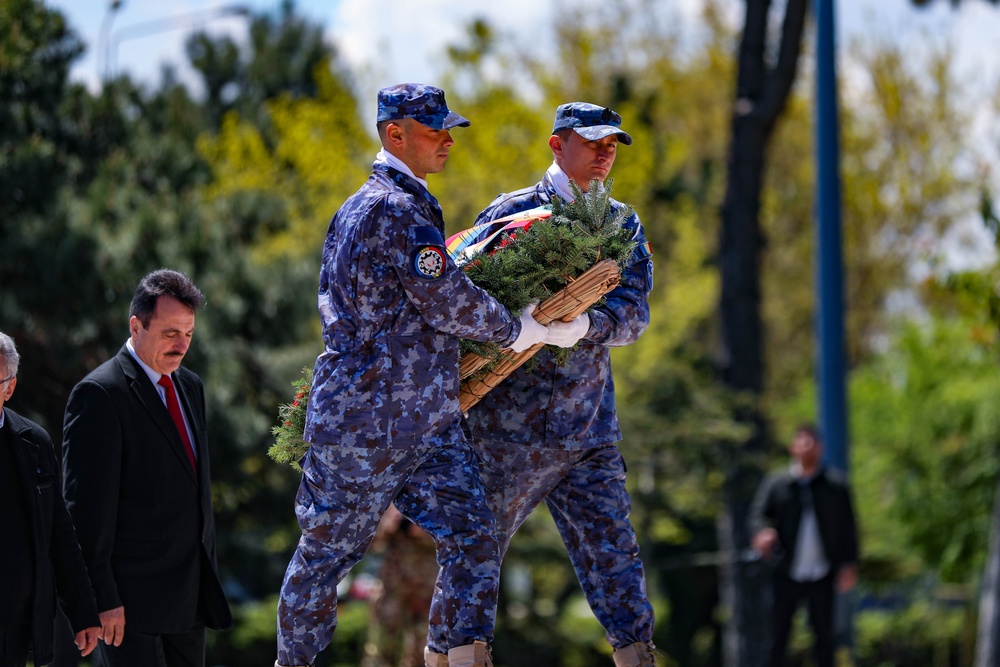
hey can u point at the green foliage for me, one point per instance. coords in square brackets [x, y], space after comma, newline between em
[592, 216]
[37, 48]
[289, 445]
[254, 634]
[973, 294]
[535, 263]
[895, 209]
[926, 478]
[293, 167]
[281, 57]
[923, 633]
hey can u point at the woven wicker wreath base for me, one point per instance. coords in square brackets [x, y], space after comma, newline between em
[566, 304]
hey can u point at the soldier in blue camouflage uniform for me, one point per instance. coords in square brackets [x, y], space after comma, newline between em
[383, 416]
[548, 431]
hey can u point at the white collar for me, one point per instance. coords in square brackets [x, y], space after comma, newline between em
[154, 377]
[387, 158]
[560, 182]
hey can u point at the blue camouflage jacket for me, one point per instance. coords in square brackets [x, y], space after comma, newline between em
[393, 306]
[569, 406]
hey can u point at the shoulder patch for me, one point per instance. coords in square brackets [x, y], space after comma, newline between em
[429, 261]
[426, 251]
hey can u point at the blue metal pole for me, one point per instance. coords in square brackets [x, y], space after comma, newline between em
[829, 276]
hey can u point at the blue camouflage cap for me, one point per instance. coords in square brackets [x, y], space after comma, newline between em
[590, 121]
[424, 104]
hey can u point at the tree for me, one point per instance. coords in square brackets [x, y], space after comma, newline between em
[762, 91]
[282, 57]
[974, 295]
[50, 143]
[988, 644]
[37, 48]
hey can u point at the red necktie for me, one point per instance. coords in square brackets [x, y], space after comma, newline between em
[175, 413]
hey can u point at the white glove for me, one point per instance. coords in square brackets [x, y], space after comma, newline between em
[568, 334]
[531, 331]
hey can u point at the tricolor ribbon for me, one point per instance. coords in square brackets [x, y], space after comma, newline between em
[465, 245]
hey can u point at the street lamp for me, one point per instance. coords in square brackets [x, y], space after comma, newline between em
[146, 28]
[102, 38]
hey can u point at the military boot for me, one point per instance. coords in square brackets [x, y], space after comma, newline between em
[635, 655]
[432, 659]
[476, 654]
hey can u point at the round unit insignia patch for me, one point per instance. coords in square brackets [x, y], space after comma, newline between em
[430, 262]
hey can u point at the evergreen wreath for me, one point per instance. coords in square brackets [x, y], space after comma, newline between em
[533, 264]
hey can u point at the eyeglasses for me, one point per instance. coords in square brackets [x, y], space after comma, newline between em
[7, 379]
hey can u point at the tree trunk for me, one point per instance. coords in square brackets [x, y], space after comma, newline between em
[761, 93]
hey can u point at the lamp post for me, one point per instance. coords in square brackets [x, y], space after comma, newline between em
[829, 278]
[102, 38]
[166, 24]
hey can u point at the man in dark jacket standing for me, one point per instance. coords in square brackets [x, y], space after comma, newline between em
[42, 555]
[135, 460]
[804, 519]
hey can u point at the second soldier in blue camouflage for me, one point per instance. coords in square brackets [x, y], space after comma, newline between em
[383, 415]
[547, 432]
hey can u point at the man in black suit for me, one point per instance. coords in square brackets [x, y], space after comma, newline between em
[804, 519]
[135, 461]
[41, 555]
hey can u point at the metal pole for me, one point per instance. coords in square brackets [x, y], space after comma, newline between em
[168, 23]
[102, 39]
[829, 283]
[829, 277]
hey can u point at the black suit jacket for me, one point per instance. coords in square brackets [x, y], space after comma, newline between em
[778, 504]
[58, 561]
[143, 514]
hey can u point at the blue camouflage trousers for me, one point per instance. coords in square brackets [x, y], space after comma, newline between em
[343, 494]
[586, 496]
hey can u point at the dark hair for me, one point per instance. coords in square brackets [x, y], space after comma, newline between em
[163, 282]
[811, 430]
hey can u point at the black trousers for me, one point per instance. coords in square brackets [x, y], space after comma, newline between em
[14, 641]
[183, 650]
[819, 597]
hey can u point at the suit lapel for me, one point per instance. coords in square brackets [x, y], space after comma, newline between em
[145, 393]
[25, 453]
